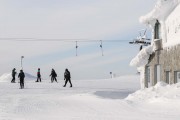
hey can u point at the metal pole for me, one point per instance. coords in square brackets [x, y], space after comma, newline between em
[101, 46]
[111, 74]
[76, 48]
[21, 62]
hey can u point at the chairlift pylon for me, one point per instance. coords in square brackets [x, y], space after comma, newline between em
[76, 48]
[101, 46]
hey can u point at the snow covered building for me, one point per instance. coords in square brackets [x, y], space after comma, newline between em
[161, 60]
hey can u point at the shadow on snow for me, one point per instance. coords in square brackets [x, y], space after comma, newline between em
[113, 94]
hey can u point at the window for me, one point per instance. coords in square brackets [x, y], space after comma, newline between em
[157, 74]
[168, 78]
[157, 30]
[176, 76]
[148, 76]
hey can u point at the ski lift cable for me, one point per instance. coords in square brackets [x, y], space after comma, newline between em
[58, 40]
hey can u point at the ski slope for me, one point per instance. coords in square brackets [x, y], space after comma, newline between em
[87, 100]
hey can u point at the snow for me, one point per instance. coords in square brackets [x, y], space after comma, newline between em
[160, 12]
[173, 28]
[142, 57]
[7, 77]
[162, 100]
[160, 93]
[89, 100]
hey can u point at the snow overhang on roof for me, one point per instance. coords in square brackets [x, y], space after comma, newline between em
[160, 12]
[142, 57]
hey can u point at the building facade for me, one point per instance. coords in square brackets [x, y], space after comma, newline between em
[164, 63]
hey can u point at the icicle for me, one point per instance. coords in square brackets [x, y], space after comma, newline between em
[101, 47]
[76, 48]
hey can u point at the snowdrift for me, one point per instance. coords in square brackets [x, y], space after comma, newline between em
[161, 92]
[7, 77]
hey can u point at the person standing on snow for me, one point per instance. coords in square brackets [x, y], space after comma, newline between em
[38, 75]
[21, 76]
[67, 77]
[53, 75]
[13, 75]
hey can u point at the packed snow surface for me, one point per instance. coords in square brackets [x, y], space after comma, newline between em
[89, 100]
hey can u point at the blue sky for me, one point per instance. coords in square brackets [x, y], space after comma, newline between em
[71, 19]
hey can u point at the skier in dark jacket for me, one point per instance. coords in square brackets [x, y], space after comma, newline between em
[38, 75]
[13, 75]
[53, 75]
[21, 76]
[67, 77]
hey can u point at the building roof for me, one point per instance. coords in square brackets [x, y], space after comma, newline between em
[160, 12]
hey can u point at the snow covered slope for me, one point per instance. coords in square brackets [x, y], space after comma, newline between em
[89, 100]
[7, 77]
